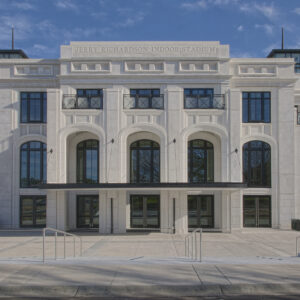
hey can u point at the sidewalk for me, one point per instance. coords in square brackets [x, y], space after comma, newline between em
[153, 266]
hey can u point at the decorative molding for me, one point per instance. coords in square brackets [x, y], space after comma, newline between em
[94, 67]
[257, 70]
[33, 129]
[144, 67]
[198, 66]
[33, 70]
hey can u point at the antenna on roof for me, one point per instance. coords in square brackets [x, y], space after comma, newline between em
[12, 38]
[282, 38]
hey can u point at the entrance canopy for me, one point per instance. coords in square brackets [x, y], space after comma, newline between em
[229, 186]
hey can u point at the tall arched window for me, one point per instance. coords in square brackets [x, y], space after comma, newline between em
[144, 161]
[200, 161]
[33, 164]
[88, 162]
[257, 163]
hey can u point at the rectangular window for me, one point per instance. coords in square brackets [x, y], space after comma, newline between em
[33, 211]
[257, 211]
[256, 107]
[298, 115]
[203, 98]
[144, 99]
[33, 107]
[84, 99]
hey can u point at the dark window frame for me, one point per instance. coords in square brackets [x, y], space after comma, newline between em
[34, 198]
[153, 93]
[77, 210]
[257, 198]
[43, 107]
[43, 155]
[152, 148]
[263, 100]
[85, 94]
[144, 217]
[198, 93]
[85, 179]
[212, 216]
[247, 173]
[190, 159]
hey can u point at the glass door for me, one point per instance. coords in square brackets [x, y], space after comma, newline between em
[257, 211]
[33, 211]
[88, 211]
[144, 211]
[200, 211]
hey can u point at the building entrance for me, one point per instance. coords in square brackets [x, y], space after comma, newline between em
[257, 211]
[145, 211]
[201, 211]
[88, 211]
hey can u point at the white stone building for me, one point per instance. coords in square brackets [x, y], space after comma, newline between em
[164, 136]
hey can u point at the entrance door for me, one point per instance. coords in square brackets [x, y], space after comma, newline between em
[201, 211]
[87, 211]
[144, 211]
[257, 211]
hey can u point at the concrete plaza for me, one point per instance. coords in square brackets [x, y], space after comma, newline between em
[251, 262]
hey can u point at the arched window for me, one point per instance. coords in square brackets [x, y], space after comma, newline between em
[200, 161]
[144, 161]
[33, 164]
[257, 163]
[88, 162]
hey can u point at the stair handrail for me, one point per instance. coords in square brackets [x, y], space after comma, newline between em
[297, 252]
[56, 231]
[190, 241]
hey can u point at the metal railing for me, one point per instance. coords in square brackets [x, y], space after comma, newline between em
[64, 234]
[297, 248]
[143, 102]
[82, 102]
[215, 101]
[191, 248]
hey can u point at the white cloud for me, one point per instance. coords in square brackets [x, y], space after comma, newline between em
[297, 10]
[268, 49]
[24, 5]
[23, 27]
[241, 54]
[194, 5]
[240, 28]
[66, 4]
[131, 20]
[269, 29]
[269, 11]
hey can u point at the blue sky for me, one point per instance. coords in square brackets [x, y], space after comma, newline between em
[251, 27]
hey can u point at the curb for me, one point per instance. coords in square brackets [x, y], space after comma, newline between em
[151, 290]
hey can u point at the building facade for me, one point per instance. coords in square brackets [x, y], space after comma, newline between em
[165, 136]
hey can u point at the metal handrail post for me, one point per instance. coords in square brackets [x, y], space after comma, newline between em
[74, 246]
[80, 246]
[200, 245]
[55, 243]
[64, 246]
[44, 232]
[196, 252]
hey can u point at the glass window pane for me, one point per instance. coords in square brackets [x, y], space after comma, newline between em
[26, 212]
[145, 161]
[88, 161]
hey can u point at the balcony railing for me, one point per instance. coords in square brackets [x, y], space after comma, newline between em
[143, 102]
[216, 101]
[82, 102]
